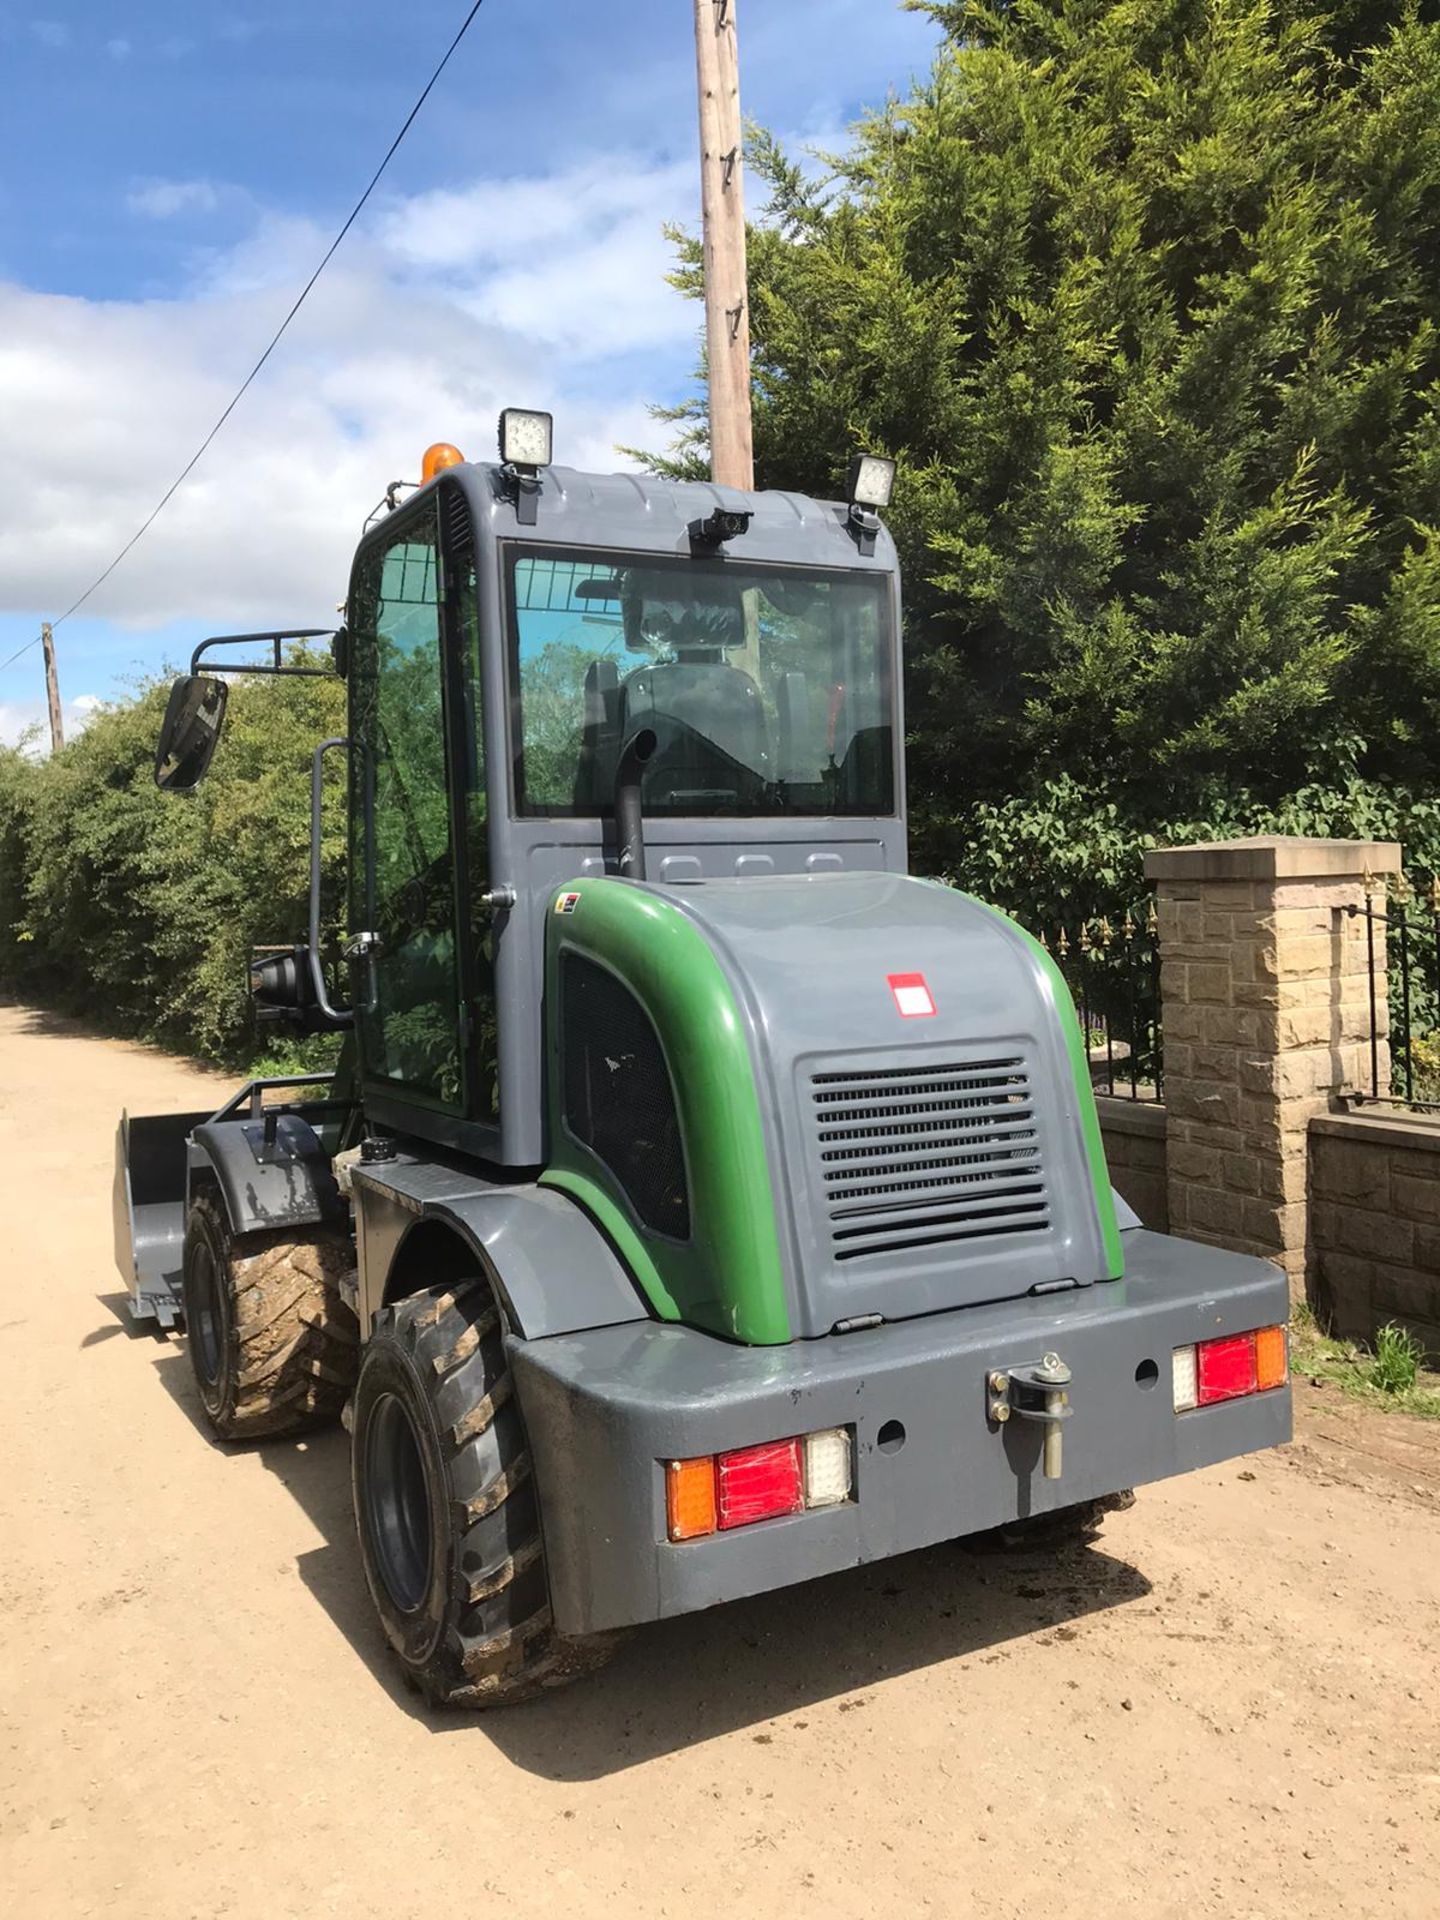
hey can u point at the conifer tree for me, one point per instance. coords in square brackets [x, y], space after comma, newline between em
[1142, 294]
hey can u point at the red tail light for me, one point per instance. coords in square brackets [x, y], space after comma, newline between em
[717, 1492]
[1226, 1368]
[757, 1483]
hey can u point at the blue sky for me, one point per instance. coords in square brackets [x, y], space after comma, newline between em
[172, 173]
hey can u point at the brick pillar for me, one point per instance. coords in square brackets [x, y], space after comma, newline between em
[1264, 984]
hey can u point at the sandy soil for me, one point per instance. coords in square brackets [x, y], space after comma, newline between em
[1232, 1706]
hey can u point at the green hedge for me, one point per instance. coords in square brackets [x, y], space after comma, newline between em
[1068, 853]
[138, 909]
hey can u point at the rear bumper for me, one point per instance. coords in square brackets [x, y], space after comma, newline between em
[603, 1409]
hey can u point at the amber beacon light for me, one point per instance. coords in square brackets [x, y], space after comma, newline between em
[437, 458]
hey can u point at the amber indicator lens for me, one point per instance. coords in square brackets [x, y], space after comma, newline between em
[690, 1510]
[1272, 1360]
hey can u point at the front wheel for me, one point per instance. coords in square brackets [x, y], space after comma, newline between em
[272, 1340]
[447, 1508]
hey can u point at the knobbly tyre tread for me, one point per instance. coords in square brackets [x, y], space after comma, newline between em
[295, 1340]
[495, 1641]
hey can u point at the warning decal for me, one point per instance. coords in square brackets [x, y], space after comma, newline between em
[567, 903]
[912, 995]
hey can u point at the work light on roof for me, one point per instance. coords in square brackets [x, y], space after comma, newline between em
[872, 482]
[527, 440]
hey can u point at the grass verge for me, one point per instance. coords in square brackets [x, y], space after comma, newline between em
[1389, 1376]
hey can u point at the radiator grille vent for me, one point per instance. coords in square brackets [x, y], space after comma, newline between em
[915, 1157]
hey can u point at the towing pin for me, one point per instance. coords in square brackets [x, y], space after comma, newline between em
[1054, 1376]
[1054, 1437]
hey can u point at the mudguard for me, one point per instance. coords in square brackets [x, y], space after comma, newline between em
[271, 1172]
[552, 1269]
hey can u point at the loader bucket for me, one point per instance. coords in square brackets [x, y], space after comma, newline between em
[150, 1166]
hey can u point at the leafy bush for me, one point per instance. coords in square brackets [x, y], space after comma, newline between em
[139, 908]
[1064, 851]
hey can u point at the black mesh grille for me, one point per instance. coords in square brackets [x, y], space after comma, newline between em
[918, 1156]
[618, 1096]
[459, 539]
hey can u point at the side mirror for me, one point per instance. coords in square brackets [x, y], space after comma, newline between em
[190, 731]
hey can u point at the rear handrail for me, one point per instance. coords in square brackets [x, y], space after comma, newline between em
[254, 1092]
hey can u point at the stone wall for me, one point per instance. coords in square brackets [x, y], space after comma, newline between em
[1134, 1135]
[1264, 985]
[1374, 1252]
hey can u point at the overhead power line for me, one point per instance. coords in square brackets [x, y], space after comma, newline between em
[27, 646]
[275, 340]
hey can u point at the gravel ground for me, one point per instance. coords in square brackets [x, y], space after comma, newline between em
[1231, 1705]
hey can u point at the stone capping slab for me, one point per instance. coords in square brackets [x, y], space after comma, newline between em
[1273, 856]
[1118, 1115]
[1418, 1130]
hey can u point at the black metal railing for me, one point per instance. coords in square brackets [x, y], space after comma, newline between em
[1114, 977]
[1402, 920]
[1113, 973]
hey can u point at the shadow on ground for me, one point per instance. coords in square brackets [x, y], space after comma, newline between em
[755, 1663]
[52, 1023]
[48, 1023]
[117, 1304]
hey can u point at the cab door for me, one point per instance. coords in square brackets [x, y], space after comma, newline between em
[421, 988]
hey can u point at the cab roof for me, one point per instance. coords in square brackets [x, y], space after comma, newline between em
[633, 511]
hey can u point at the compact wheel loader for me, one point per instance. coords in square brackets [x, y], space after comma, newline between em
[701, 1203]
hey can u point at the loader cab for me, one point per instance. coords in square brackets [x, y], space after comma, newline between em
[508, 632]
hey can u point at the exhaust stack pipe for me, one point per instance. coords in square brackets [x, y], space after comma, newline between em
[629, 821]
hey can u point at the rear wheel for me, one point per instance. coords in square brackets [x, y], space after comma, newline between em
[447, 1508]
[273, 1343]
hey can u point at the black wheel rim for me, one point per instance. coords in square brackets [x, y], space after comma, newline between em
[397, 1503]
[206, 1327]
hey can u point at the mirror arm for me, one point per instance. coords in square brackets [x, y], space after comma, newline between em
[337, 1016]
[273, 640]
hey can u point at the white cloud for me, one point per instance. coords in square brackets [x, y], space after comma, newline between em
[118, 49]
[577, 259]
[51, 33]
[163, 199]
[27, 722]
[419, 331]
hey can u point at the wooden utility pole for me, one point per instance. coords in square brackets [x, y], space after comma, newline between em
[727, 300]
[52, 687]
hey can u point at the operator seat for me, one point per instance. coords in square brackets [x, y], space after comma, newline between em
[710, 724]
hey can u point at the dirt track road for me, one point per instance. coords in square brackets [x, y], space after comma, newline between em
[1231, 1707]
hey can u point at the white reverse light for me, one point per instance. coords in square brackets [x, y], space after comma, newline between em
[872, 481]
[1185, 1375]
[526, 439]
[827, 1467]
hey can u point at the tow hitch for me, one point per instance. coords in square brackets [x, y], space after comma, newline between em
[1035, 1393]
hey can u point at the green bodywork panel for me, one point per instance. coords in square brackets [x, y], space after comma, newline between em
[727, 1278]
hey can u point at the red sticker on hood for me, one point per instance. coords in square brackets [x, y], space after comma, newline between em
[912, 995]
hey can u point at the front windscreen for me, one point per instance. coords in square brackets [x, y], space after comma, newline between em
[768, 688]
